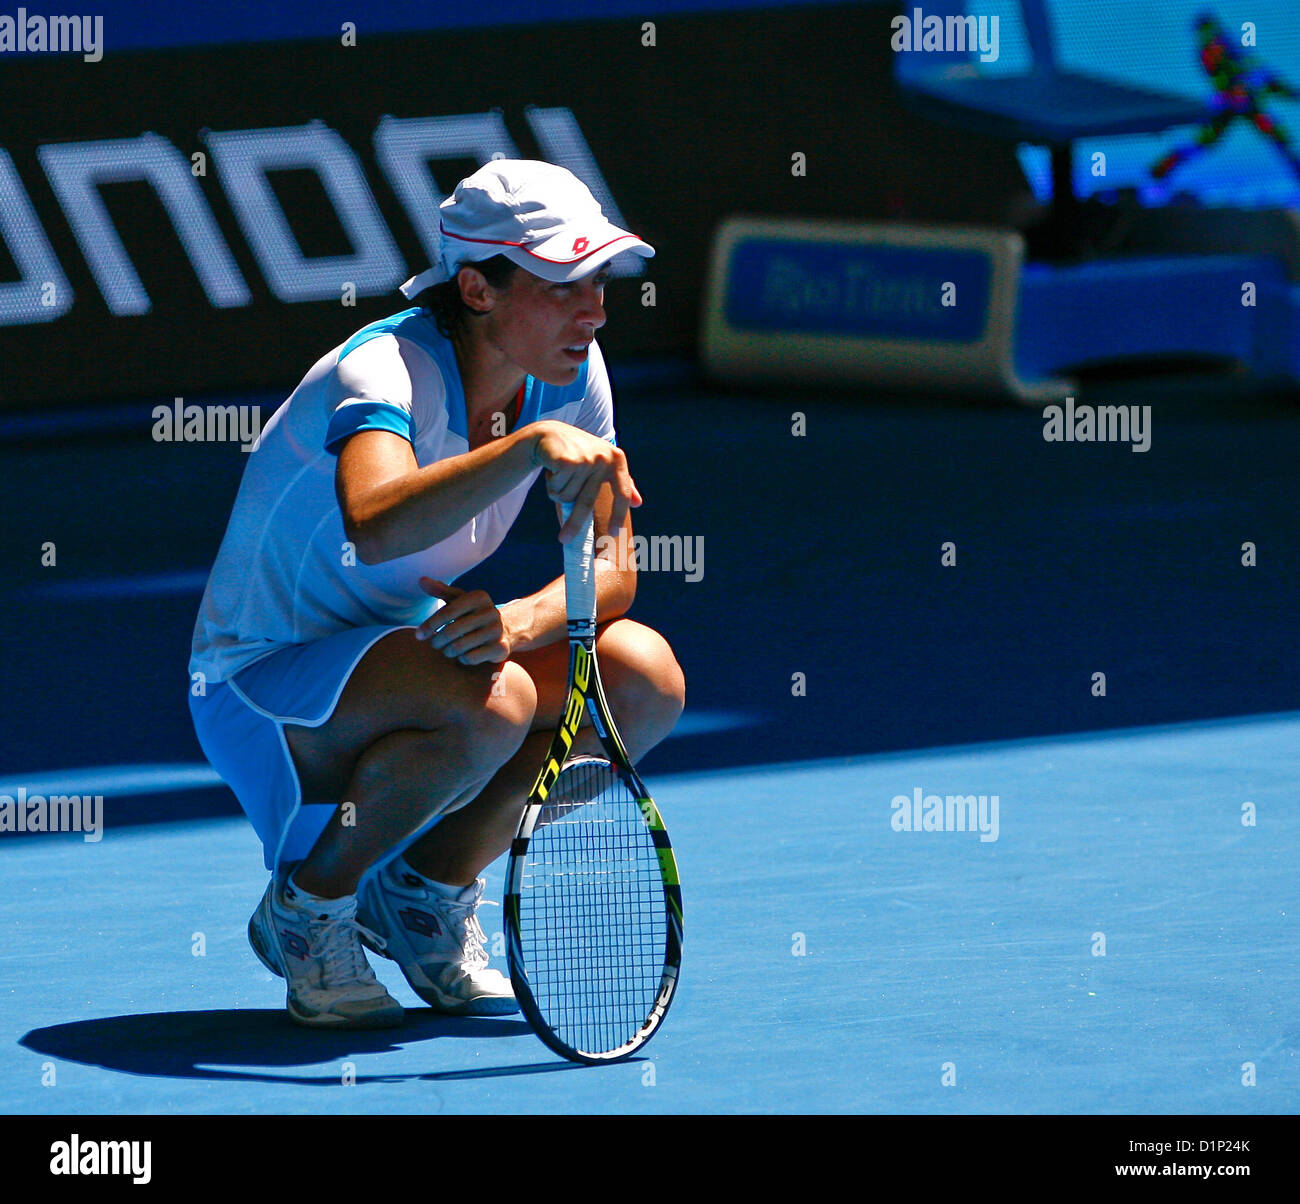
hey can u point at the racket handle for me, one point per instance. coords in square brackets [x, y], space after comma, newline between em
[580, 579]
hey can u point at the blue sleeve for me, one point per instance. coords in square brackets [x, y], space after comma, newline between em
[354, 416]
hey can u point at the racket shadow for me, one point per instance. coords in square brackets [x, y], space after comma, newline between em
[492, 1072]
[236, 1044]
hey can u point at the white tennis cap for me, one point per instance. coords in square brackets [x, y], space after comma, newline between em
[540, 216]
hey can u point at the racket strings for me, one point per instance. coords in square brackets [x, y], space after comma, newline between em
[592, 910]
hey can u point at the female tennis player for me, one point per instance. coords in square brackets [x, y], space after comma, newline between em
[348, 693]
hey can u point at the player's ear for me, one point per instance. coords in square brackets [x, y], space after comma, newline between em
[475, 291]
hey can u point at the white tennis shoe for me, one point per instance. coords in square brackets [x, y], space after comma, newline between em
[316, 948]
[437, 942]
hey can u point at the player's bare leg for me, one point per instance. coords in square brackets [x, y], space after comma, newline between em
[646, 692]
[413, 734]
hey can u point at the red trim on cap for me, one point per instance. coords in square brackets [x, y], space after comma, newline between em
[500, 242]
[584, 255]
[495, 242]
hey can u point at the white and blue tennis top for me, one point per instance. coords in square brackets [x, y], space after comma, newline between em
[285, 573]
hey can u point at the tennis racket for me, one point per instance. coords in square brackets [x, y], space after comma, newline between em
[593, 908]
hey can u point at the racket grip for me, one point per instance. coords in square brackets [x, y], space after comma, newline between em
[580, 579]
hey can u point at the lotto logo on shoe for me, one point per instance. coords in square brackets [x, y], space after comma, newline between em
[421, 922]
[294, 945]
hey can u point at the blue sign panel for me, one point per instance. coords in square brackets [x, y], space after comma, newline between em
[858, 290]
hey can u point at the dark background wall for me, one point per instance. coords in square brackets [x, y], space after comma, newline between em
[699, 126]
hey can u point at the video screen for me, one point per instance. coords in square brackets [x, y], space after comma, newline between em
[1241, 57]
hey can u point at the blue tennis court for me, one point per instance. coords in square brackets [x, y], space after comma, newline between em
[1112, 932]
[833, 963]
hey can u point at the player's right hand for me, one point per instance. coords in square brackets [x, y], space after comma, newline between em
[577, 463]
[470, 628]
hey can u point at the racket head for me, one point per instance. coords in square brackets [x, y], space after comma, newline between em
[593, 913]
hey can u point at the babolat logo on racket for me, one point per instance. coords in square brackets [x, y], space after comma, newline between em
[569, 726]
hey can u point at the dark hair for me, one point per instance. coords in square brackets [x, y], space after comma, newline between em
[444, 303]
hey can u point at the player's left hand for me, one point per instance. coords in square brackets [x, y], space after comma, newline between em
[469, 628]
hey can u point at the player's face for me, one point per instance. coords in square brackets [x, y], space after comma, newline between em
[545, 328]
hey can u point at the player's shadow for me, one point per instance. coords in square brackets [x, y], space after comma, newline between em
[232, 1044]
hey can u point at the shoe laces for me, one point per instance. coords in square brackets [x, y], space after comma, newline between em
[469, 932]
[335, 940]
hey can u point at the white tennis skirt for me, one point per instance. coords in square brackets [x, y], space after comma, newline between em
[240, 725]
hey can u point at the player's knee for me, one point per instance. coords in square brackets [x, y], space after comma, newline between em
[513, 698]
[495, 728]
[646, 685]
